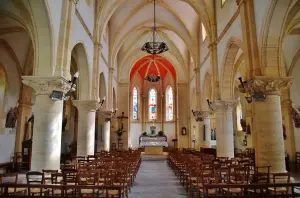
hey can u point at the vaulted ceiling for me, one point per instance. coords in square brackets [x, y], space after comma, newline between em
[130, 25]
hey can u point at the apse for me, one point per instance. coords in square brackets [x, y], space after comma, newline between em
[152, 104]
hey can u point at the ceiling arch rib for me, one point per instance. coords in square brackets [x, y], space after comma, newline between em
[187, 40]
[145, 15]
[142, 36]
[137, 54]
[123, 55]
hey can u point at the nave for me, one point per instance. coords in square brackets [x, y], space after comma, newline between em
[156, 179]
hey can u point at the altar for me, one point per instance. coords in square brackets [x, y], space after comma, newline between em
[153, 145]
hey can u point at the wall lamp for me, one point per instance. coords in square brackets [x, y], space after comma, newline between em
[209, 104]
[250, 95]
[59, 95]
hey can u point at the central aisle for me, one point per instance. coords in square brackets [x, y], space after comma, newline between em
[155, 179]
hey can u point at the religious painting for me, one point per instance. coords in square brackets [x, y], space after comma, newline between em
[11, 118]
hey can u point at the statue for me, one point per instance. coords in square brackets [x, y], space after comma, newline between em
[11, 118]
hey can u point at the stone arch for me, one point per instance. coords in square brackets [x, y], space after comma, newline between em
[79, 55]
[227, 71]
[102, 88]
[271, 35]
[33, 16]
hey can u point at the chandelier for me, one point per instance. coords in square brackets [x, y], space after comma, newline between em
[155, 47]
[153, 77]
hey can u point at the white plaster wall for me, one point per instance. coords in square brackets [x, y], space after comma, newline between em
[79, 35]
[224, 14]
[295, 97]
[206, 67]
[87, 14]
[55, 18]
[169, 130]
[135, 132]
[234, 31]
[7, 135]
[260, 12]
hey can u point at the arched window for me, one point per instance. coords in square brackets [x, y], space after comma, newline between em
[135, 104]
[204, 34]
[152, 104]
[169, 104]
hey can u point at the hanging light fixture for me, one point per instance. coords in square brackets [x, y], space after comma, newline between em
[153, 77]
[155, 47]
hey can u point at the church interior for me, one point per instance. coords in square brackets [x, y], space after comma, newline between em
[150, 98]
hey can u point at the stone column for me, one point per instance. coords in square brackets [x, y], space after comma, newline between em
[46, 140]
[286, 108]
[106, 134]
[86, 126]
[107, 115]
[144, 118]
[224, 127]
[267, 120]
[206, 122]
[110, 88]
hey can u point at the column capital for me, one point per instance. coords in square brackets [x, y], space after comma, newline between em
[106, 113]
[212, 45]
[111, 69]
[196, 70]
[266, 85]
[201, 115]
[224, 105]
[45, 85]
[86, 105]
[98, 44]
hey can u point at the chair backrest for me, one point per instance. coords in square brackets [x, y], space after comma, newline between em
[281, 177]
[9, 178]
[70, 176]
[35, 177]
[57, 178]
[47, 175]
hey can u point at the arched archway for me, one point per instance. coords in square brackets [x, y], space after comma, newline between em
[227, 79]
[79, 56]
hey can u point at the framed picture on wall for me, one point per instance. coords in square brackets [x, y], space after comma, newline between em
[183, 131]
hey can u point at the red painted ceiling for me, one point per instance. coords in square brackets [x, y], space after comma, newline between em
[147, 66]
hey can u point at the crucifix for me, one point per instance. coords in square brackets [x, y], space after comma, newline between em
[122, 118]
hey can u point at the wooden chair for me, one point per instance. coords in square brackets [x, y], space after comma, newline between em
[113, 146]
[12, 178]
[280, 178]
[36, 177]
[88, 179]
[47, 175]
[297, 160]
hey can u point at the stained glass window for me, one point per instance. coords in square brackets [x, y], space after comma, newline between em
[239, 116]
[135, 104]
[152, 104]
[169, 104]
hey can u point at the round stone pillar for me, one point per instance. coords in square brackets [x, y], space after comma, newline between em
[206, 122]
[86, 126]
[46, 140]
[107, 134]
[224, 127]
[267, 121]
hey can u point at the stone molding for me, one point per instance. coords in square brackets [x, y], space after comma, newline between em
[86, 105]
[223, 105]
[266, 85]
[45, 85]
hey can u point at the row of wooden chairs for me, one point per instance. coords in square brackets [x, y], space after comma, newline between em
[221, 171]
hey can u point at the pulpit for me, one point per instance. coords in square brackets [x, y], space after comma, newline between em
[153, 145]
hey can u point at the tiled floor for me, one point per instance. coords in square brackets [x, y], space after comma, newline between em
[155, 179]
